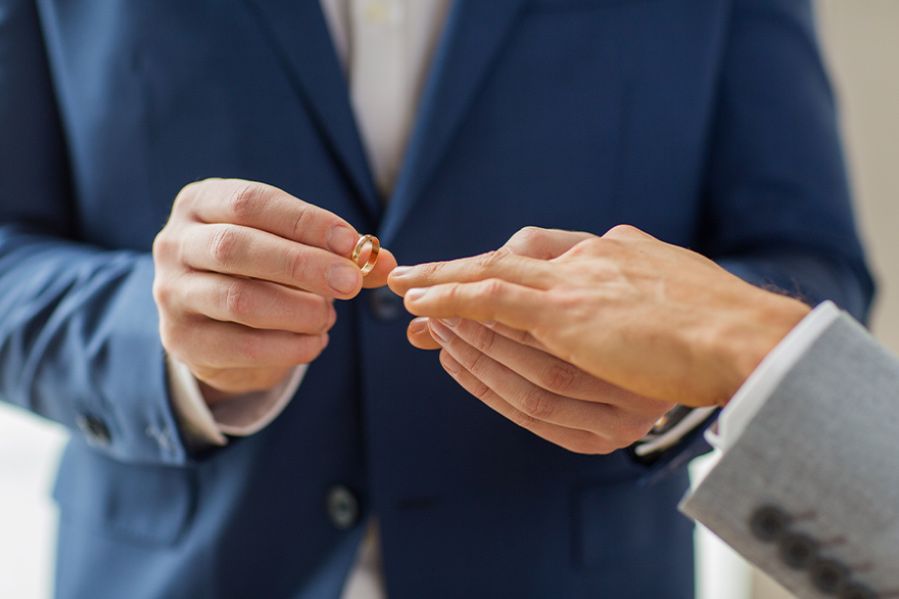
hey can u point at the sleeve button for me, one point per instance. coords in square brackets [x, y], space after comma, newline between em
[828, 575]
[797, 550]
[94, 429]
[769, 523]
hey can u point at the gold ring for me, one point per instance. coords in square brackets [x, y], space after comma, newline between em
[372, 257]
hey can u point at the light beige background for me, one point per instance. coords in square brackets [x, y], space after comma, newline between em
[861, 39]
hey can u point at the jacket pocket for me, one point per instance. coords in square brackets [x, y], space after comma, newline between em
[145, 503]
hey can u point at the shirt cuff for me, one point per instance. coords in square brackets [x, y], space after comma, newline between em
[239, 416]
[753, 394]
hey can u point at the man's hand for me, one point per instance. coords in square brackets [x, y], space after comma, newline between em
[513, 373]
[657, 320]
[246, 275]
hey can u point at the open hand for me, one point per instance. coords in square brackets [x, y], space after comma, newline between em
[515, 374]
[655, 319]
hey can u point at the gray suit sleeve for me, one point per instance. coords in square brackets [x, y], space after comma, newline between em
[810, 491]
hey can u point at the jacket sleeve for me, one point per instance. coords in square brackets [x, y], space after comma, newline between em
[778, 211]
[79, 339]
[777, 208]
[815, 463]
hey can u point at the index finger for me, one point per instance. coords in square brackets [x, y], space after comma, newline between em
[500, 264]
[265, 207]
[519, 307]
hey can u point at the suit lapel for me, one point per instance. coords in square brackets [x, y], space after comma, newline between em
[474, 33]
[302, 41]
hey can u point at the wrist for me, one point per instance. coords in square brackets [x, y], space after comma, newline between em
[221, 385]
[755, 332]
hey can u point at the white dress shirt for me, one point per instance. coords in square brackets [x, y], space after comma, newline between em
[385, 47]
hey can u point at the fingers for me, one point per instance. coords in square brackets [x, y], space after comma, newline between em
[540, 368]
[383, 267]
[252, 303]
[549, 372]
[521, 337]
[578, 441]
[241, 251]
[205, 343]
[501, 264]
[267, 208]
[419, 334]
[519, 307]
[521, 394]
[544, 244]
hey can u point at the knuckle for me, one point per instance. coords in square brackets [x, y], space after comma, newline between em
[428, 270]
[162, 292]
[242, 203]
[626, 428]
[297, 265]
[622, 231]
[592, 246]
[478, 364]
[301, 221]
[492, 289]
[164, 247]
[453, 293]
[523, 420]
[558, 377]
[491, 259]
[528, 237]
[185, 196]
[224, 245]
[537, 404]
[322, 314]
[307, 349]
[170, 335]
[479, 390]
[237, 299]
[483, 339]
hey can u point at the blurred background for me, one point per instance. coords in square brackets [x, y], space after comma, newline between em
[861, 42]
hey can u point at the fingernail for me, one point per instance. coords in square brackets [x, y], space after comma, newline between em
[400, 271]
[419, 324]
[416, 294]
[449, 363]
[341, 240]
[450, 322]
[343, 278]
[440, 331]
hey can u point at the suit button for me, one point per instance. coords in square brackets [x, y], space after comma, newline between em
[94, 429]
[797, 550]
[384, 304]
[853, 590]
[343, 507]
[769, 523]
[828, 575]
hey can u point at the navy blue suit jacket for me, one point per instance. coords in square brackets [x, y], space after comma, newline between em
[708, 123]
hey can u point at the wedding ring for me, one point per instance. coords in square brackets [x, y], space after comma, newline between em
[372, 257]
